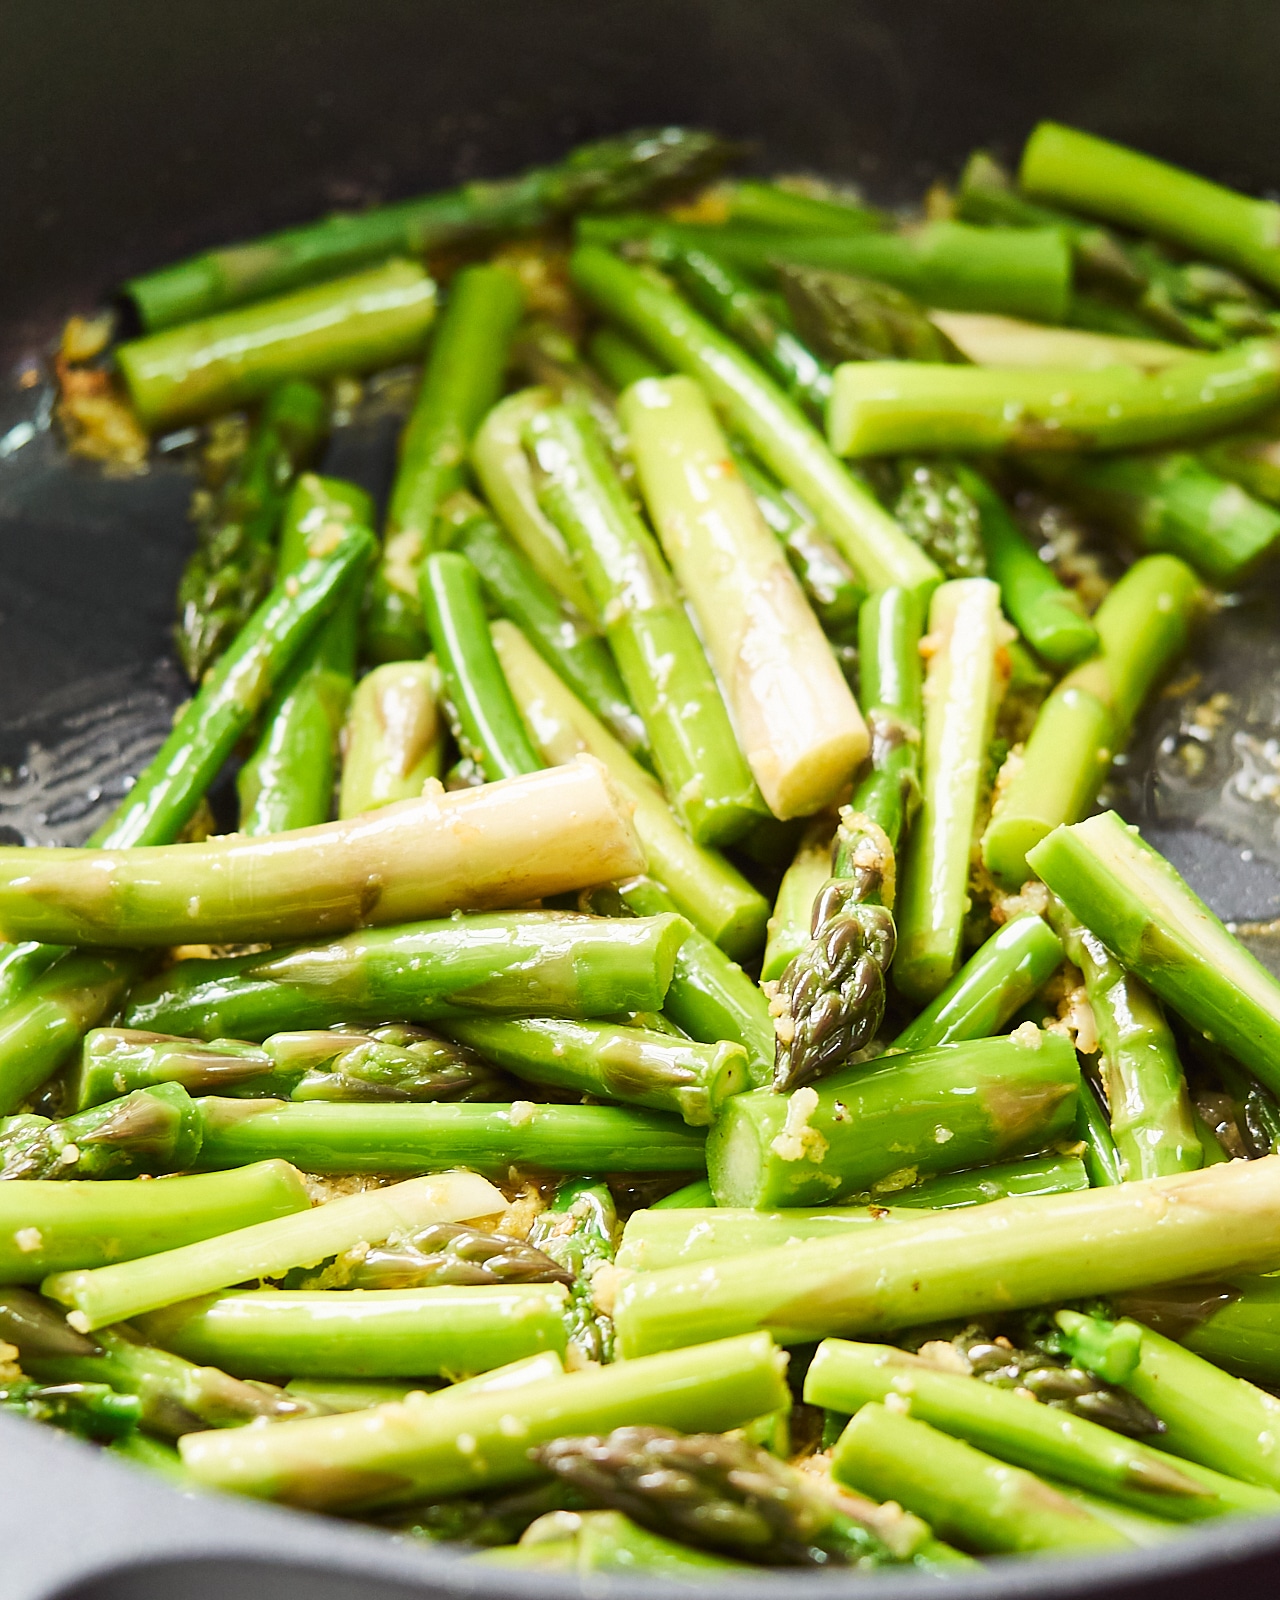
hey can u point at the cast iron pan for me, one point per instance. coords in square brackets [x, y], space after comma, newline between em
[136, 133]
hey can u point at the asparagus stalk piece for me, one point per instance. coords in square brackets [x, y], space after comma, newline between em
[387, 1333]
[653, 641]
[1151, 1119]
[848, 318]
[445, 1446]
[169, 788]
[552, 962]
[715, 897]
[287, 782]
[1045, 612]
[695, 1195]
[1093, 1129]
[800, 726]
[889, 668]
[513, 587]
[1250, 459]
[231, 569]
[42, 1027]
[21, 964]
[461, 381]
[710, 998]
[394, 739]
[891, 407]
[57, 1227]
[1144, 912]
[795, 209]
[505, 474]
[577, 1229]
[411, 1138]
[1142, 627]
[620, 360]
[1171, 501]
[418, 858]
[487, 724]
[878, 1128]
[754, 407]
[1234, 1325]
[1010, 1253]
[350, 1394]
[802, 883]
[151, 1130]
[90, 1410]
[446, 1253]
[355, 324]
[102, 1295]
[994, 341]
[995, 983]
[961, 693]
[1039, 1438]
[1108, 180]
[153, 1455]
[608, 1542]
[1212, 1418]
[1036, 1175]
[629, 169]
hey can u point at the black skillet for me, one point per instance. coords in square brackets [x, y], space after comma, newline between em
[131, 133]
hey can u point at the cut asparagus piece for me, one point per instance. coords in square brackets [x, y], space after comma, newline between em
[394, 738]
[994, 341]
[287, 782]
[620, 360]
[354, 1333]
[151, 1130]
[849, 318]
[231, 569]
[799, 725]
[1035, 1175]
[1143, 626]
[1235, 1325]
[447, 1253]
[1250, 459]
[715, 897]
[444, 1446]
[59, 1227]
[554, 962]
[102, 1295]
[1144, 912]
[962, 691]
[487, 724]
[891, 407]
[962, 1263]
[797, 207]
[995, 983]
[460, 382]
[937, 511]
[610, 1062]
[878, 1128]
[408, 1139]
[540, 834]
[578, 1229]
[1019, 1430]
[1045, 612]
[776, 429]
[1109, 180]
[802, 883]
[350, 1394]
[659, 655]
[355, 324]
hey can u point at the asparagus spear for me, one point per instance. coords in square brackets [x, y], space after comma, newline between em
[802, 883]
[962, 691]
[1093, 1129]
[446, 1446]
[799, 725]
[91, 1410]
[56, 1227]
[1108, 180]
[760, 412]
[620, 360]
[287, 782]
[1143, 911]
[41, 1028]
[1142, 628]
[230, 570]
[1034, 1175]
[352, 1394]
[393, 741]
[890, 407]
[446, 1253]
[690, 1195]
[629, 169]
[355, 324]
[1171, 501]
[513, 588]
[994, 341]
[992, 986]
[387, 866]
[1045, 612]
[658, 653]
[936, 509]
[102, 1295]
[151, 1130]
[410, 1138]
[21, 964]
[1250, 459]
[556, 963]
[392, 1333]
[1234, 1325]
[1210, 1417]
[577, 1229]
[715, 897]
[1010, 1253]
[505, 474]
[803, 207]
[877, 1128]
[461, 381]
[848, 318]
[709, 998]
